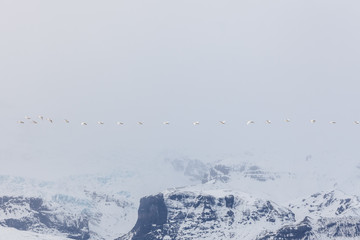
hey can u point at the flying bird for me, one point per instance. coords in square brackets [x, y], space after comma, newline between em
[120, 123]
[196, 123]
[250, 122]
[41, 117]
[22, 122]
[356, 122]
[268, 121]
[140, 123]
[50, 120]
[332, 122]
[84, 123]
[101, 123]
[26, 117]
[312, 120]
[34, 122]
[222, 122]
[287, 120]
[166, 122]
[67, 121]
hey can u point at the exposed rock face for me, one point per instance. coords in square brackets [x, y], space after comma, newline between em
[301, 231]
[152, 215]
[348, 227]
[34, 215]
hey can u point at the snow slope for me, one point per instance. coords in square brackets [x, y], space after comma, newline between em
[13, 234]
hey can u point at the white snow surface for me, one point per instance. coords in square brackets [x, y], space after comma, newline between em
[14, 234]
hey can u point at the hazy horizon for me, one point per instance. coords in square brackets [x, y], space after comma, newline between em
[181, 62]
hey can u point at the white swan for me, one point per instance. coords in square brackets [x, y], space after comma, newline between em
[250, 122]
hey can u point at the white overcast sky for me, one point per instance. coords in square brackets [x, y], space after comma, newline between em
[180, 61]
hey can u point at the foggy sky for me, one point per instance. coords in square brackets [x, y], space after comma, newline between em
[177, 61]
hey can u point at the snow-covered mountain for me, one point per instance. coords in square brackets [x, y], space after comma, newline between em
[226, 199]
[83, 207]
[266, 204]
[228, 214]
[33, 214]
[326, 215]
[271, 179]
[92, 206]
[189, 214]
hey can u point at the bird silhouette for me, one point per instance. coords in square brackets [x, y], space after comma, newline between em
[250, 122]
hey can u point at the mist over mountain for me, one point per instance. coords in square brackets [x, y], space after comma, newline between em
[179, 120]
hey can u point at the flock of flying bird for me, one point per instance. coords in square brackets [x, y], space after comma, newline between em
[165, 123]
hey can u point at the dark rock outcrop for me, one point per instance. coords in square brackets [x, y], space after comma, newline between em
[152, 215]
